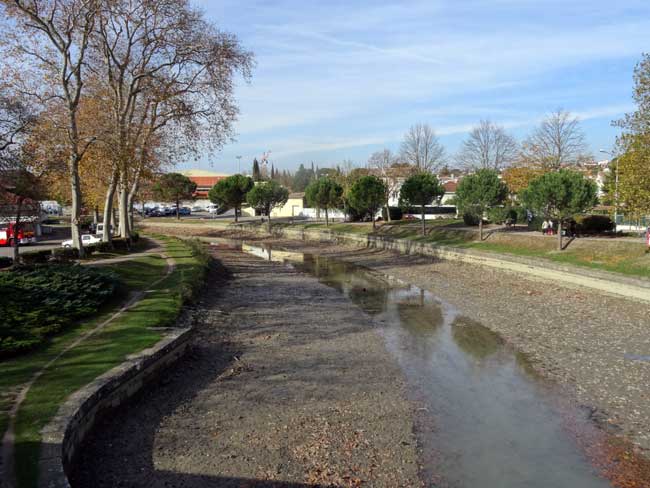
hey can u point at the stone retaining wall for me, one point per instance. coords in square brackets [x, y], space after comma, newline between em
[64, 434]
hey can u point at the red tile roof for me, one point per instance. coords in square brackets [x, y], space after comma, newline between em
[450, 186]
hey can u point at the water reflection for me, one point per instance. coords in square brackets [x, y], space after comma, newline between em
[495, 426]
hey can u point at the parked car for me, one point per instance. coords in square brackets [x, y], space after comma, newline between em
[99, 230]
[197, 208]
[185, 211]
[213, 208]
[86, 240]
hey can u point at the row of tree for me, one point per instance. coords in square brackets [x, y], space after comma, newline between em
[97, 96]
[558, 141]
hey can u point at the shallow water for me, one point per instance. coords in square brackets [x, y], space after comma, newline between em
[485, 419]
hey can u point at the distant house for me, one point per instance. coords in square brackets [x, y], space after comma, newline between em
[204, 180]
[295, 207]
[450, 191]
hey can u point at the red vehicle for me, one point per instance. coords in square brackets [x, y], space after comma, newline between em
[25, 234]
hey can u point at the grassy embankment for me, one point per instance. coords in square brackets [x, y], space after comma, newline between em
[131, 332]
[622, 256]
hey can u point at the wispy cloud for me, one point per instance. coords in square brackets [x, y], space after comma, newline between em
[341, 75]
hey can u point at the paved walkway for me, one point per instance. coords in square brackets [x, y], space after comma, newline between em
[8, 439]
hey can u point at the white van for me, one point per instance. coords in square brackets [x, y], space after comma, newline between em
[99, 231]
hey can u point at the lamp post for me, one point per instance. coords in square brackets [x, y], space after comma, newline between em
[615, 188]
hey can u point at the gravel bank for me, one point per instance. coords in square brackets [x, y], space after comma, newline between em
[288, 386]
[596, 345]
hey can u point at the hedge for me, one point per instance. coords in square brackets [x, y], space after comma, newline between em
[39, 301]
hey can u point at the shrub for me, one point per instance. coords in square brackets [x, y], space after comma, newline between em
[103, 247]
[522, 213]
[396, 213]
[499, 215]
[64, 254]
[38, 301]
[120, 244]
[594, 224]
[5, 262]
[470, 218]
[536, 224]
[38, 257]
[135, 236]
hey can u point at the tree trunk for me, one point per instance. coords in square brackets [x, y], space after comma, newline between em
[480, 227]
[424, 224]
[327, 219]
[388, 219]
[372, 217]
[130, 199]
[123, 198]
[15, 247]
[178, 215]
[236, 214]
[75, 215]
[559, 235]
[95, 215]
[107, 236]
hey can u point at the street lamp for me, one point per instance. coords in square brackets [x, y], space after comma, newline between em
[615, 187]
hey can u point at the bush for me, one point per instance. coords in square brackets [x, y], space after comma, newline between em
[536, 224]
[470, 218]
[135, 236]
[120, 244]
[499, 215]
[522, 213]
[594, 224]
[64, 254]
[103, 247]
[395, 213]
[5, 262]
[38, 301]
[429, 210]
[38, 257]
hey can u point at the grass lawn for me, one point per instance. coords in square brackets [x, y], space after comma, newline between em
[627, 258]
[128, 334]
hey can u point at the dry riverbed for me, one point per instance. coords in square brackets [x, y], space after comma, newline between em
[595, 345]
[288, 386]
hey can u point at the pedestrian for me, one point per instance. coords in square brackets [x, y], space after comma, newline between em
[544, 226]
[550, 227]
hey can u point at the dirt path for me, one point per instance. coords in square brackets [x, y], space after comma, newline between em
[288, 386]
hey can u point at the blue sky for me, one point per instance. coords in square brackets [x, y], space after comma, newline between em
[341, 79]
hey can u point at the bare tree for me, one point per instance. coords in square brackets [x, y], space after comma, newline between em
[53, 41]
[15, 119]
[381, 162]
[488, 146]
[164, 65]
[421, 148]
[558, 141]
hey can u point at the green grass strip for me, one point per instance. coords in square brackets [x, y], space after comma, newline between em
[128, 334]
